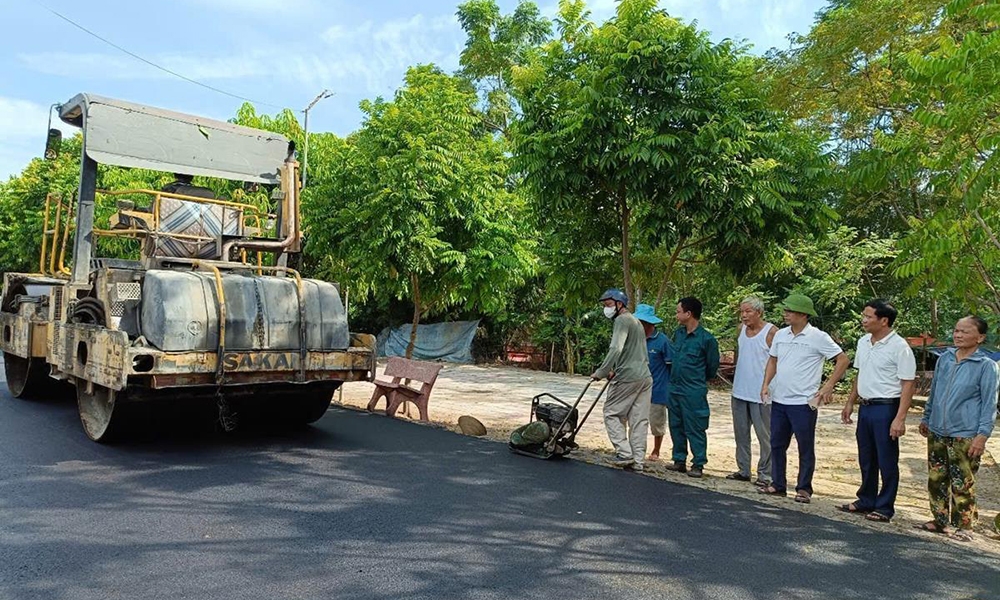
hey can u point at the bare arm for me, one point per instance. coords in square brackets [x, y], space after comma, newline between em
[845, 415]
[826, 392]
[736, 350]
[769, 371]
[898, 427]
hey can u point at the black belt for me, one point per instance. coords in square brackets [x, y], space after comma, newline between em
[867, 401]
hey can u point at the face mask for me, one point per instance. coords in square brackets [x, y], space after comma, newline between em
[609, 312]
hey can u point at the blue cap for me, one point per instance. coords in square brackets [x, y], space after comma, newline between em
[647, 314]
[614, 294]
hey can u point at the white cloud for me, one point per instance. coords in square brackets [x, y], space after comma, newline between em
[22, 130]
[369, 58]
[20, 119]
[776, 19]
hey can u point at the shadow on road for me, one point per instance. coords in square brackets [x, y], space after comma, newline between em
[361, 506]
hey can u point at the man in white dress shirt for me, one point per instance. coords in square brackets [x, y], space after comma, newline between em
[884, 388]
[792, 382]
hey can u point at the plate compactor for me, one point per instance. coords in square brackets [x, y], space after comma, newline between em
[552, 428]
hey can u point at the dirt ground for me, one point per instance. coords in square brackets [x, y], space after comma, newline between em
[500, 397]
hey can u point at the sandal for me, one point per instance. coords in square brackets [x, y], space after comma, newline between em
[772, 491]
[877, 517]
[960, 535]
[737, 476]
[853, 509]
[803, 497]
[932, 527]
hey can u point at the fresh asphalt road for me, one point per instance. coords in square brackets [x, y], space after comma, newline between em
[360, 506]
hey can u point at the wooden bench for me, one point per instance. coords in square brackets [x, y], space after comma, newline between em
[396, 391]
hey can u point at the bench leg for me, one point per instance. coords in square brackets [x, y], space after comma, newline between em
[394, 399]
[377, 395]
[421, 403]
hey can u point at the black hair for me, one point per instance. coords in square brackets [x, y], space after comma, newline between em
[691, 305]
[883, 310]
[981, 325]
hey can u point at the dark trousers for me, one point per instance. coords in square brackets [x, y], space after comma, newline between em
[877, 454]
[800, 421]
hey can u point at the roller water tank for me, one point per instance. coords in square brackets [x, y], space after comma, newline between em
[179, 312]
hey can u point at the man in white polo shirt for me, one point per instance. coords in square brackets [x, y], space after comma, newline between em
[884, 387]
[792, 385]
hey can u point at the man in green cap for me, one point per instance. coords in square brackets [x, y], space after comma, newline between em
[792, 380]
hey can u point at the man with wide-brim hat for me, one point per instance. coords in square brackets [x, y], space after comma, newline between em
[792, 380]
[660, 356]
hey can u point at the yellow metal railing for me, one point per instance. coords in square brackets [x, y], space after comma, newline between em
[52, 246]
[58, 221]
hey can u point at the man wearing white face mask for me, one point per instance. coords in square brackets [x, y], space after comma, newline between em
[631, 389]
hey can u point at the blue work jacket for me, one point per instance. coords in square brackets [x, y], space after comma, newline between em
[660, 357]
[963, 398]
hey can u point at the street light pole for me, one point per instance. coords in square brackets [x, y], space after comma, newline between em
[305, 152]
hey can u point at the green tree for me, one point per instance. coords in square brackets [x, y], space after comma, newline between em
[642, 137]
[907, 91]
[22, 205]
[495, 43]
[417, 203]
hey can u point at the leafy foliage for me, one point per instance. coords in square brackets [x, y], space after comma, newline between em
[568, 156]
[908, 91]
[417, 204]
[642, 135]
[495, 44]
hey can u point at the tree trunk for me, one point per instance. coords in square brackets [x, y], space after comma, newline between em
[670, 271]
[416, 315]
[934, 317]
[626, 252]
[570, 363]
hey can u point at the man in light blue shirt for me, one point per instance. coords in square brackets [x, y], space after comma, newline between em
[660, 356]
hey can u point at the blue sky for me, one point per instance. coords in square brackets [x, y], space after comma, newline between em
[281, 52]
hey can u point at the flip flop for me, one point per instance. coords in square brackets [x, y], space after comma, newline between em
[852, 508]
[932, 527]
[877, 517]
[960, 535]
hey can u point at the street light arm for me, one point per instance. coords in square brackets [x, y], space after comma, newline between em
[305, 149]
